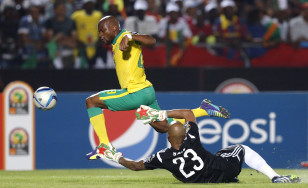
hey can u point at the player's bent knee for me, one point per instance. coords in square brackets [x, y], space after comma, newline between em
[90, 102]
[94, 101]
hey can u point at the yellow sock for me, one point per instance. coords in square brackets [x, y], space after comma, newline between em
[198, 112]
[97, 120]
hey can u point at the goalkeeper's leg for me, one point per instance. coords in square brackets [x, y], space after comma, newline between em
[255, 161]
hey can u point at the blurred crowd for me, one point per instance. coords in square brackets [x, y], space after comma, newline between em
[60, 34]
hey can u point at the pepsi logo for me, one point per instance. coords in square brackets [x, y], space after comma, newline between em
[128, 135]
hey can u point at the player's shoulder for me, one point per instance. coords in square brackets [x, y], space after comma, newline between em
[189, 124]
[163, 151]
[129, 32]
[159, 155]
[192, 131]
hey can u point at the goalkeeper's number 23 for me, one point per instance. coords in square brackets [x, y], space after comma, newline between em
[194, 157]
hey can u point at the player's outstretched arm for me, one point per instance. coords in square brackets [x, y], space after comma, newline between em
[145, 40]
[112, 155]
[136, 166]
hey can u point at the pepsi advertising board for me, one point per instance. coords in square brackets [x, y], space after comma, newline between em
[273, 124]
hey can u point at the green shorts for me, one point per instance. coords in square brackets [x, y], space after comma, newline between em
[121, 100]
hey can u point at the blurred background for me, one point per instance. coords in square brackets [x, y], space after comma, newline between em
[249, 56]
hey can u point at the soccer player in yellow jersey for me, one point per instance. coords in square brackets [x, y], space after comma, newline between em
[86, 20]
[135, 89]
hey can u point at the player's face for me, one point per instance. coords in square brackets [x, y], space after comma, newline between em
[229, 12]
[106, 34]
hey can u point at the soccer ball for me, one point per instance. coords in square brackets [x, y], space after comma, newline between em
[45, 98]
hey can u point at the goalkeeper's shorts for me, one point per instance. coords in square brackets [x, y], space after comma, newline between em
[231, 160]
[121, 100]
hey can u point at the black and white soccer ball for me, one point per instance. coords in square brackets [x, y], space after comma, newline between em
[45, 98]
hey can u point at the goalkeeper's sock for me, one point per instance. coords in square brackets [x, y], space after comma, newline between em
[97, 120]
[198, 112]
[255, 161]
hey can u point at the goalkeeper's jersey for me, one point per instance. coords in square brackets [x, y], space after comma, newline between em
[193, 164]
[129, 65]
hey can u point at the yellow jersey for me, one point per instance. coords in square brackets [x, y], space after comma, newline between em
[86, 26]
[129, 65]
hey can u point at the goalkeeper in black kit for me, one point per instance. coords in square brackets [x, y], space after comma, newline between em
[187, 160]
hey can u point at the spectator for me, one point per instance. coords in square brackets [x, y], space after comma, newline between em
[99, 5]
[265, 18]
[180, 4]
[199, 26]
[20, 6]
[174, 31]
[129, 7]
[115, 8]
[141, 23]
[229, 30]
[9, 39]
[299, 27]
[281, 17]
[86, 21]
[190, 14]
[211, 11]
[257, 33]
[49, 8]
[62, 37]
[153, 9]
[32, 30]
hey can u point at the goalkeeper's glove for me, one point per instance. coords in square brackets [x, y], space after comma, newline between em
[108, 152]
[111, 153]
[149, 115]
[113, 156]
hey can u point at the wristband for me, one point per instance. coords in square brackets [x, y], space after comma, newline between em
[162, 115]
[130, 37]
[117, 157]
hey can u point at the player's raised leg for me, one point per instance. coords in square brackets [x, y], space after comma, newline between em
[206, 109]
[213, 110]
[97, 119]
[114, 100]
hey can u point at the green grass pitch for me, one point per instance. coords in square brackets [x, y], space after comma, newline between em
[93, 178]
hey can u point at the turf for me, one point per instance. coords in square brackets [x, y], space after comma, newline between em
[125, 178]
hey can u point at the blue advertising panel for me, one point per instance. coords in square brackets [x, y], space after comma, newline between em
[273, 124]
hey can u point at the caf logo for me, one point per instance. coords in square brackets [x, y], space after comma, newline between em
[19, 142]
[18, 101]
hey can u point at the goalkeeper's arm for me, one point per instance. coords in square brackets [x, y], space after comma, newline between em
[113, 155]
[186, 114]
[136, 166]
